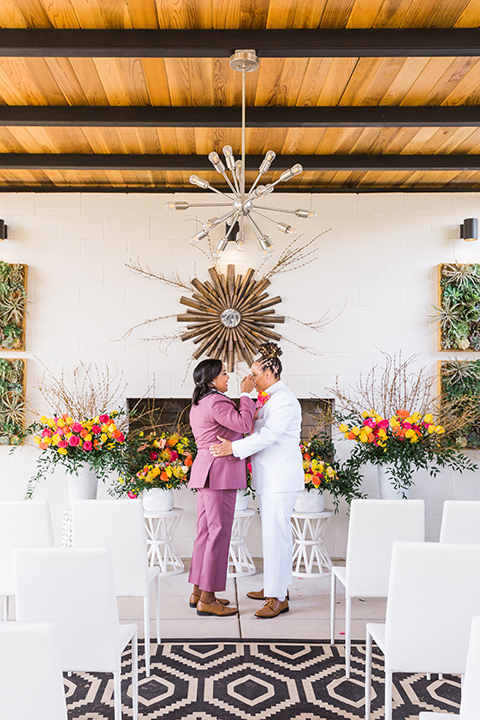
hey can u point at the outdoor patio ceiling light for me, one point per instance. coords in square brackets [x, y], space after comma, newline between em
[242, 201]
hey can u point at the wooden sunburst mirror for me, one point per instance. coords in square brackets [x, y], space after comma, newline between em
[230, 317]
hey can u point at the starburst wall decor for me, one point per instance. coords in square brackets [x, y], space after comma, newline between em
[230, 316]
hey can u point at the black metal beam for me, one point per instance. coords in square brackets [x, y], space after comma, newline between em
[376, 42]
[199, 163]
[229, 117]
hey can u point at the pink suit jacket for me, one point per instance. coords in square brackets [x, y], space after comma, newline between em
[215, 415]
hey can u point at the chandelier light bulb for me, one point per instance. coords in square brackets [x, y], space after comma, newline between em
[195, 180]
[220, 248]
[199, 236]
[216, 162]
[177, 205]
[267, 161]
[266, 245]
[238, 169]
[229, 158]
[296, 169]
[306, 214]
[287, 229]
[260, 190]
[240, 240]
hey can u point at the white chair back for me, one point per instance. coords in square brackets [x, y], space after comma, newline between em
[470, 702]
[433, 595]
[23, 523]
[119, 525]
[73, 587]
[31, 680]
[374, 526]
[460, 521]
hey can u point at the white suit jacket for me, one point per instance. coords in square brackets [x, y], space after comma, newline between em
[274, 443]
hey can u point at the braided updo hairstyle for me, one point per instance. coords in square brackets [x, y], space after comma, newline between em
[270, 358]
[203, 377]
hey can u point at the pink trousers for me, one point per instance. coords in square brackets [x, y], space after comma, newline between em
[215, 511]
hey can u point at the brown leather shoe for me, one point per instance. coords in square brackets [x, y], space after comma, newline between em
[215, 608]
[195, 598]
[272, 608]
[260, 596]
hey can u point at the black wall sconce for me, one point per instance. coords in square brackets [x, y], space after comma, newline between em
[3, 230]
[469, 229]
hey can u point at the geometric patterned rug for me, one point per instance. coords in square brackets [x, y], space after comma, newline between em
[257, 680]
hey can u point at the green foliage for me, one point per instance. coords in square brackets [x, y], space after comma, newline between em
[13, 301]
[341, 481]
[459, 312]
[12, 401]
[460, 385]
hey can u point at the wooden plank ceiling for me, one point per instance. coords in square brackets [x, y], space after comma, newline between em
[50, 151]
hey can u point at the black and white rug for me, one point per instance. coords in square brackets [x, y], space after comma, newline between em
[257, 680]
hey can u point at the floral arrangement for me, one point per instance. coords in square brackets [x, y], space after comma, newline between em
[405, 442]
[401, 431]
[262, 398]
[323, 472]
[155, 460]
[96, 442]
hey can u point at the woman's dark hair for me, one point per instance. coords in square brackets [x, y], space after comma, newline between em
[270, 358]
[203, 376]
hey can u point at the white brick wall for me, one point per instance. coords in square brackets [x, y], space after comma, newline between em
[379, 260]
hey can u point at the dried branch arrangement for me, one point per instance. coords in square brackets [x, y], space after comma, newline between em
[90, 392]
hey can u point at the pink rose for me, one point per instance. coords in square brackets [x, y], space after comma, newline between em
[153, 455]
[62, 444]
[77, 427]
[60, 431]
[46, 433]
[103, 419]
[87, 445]
[369, 422]
[96, 429]
[132, 495]
[249, 467]
[120, 438]
[407, 426]
[173, 455]
[383, 424]
[73, 441]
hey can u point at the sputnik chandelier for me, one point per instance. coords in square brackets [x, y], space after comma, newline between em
[242, 204]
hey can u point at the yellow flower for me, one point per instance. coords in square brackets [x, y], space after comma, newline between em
[439, 429]
[55, 439]
[343, 428]
[62, 451]
[103, 438]
[69, 421]
[409, 433]
[363, 437]
[44, 420]
[365, 414]
[356, 430]
[428, 418]
[431, 430]
[61, 423]
[37, 439]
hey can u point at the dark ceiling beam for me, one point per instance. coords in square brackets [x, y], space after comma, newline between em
[199, 163]
[376, 42]
[230, 117]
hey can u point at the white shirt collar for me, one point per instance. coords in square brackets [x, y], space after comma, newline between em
[273, 388]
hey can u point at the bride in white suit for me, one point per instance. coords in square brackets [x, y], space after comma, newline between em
[277, 474]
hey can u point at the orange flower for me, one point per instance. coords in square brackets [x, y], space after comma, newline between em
[307, 456]
[402, 414]
[164, 476]
[188, 460]
[351, 436]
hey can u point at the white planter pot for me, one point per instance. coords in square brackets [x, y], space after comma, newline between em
[387, 490]
[241, 502]
[83, 485]
[310, 501]
[158, 500]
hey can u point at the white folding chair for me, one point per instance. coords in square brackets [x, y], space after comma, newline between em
[74, 587]
[23, 523]
[433, 595]
[120, 525]
[31, 680]
[373, 527]
[460, 521]
[470, 700]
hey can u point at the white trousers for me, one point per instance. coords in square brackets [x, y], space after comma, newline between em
[276, 510]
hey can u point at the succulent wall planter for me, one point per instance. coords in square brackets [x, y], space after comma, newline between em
[13, 302]
[460, 383]
[459, 307]
[12, 401]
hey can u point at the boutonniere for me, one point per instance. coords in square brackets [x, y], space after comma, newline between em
[262, 398]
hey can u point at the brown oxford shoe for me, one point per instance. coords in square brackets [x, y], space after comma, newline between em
[272, 608]
[215, 608]
[260, 596]
[195, 598]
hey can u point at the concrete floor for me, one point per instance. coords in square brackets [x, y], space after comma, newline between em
[308, 618]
